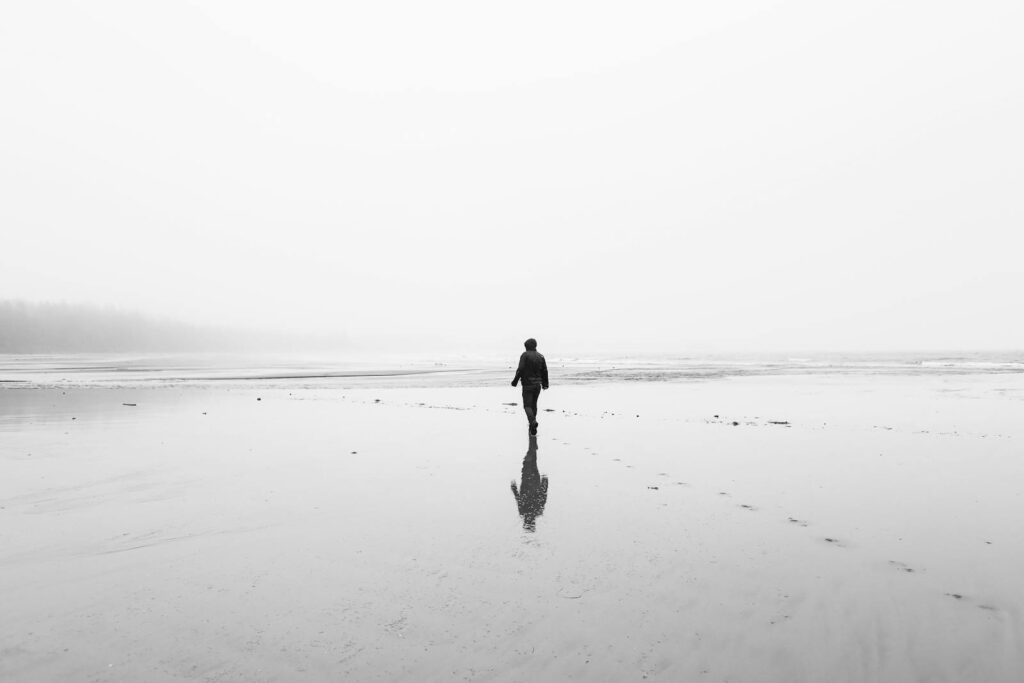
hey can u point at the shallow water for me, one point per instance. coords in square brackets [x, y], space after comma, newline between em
[451, 370]
[278, 530]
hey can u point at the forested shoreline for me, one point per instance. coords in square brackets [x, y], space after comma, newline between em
[58, 327]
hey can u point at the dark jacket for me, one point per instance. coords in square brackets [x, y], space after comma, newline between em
[533, 370]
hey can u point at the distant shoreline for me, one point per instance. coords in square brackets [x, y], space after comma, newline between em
[21, 371]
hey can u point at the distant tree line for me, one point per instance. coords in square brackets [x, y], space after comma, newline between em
[28, 327]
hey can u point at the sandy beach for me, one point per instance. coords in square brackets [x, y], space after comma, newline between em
[780, 527]
[281, 282]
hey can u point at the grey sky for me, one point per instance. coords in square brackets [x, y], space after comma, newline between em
[744, 175]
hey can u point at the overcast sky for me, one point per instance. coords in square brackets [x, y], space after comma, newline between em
[649, 176]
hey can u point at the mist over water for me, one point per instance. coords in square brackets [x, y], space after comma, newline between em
[699, 177]
[267, 269]
[27, 328]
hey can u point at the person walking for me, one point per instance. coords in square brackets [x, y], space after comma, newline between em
[533, 372]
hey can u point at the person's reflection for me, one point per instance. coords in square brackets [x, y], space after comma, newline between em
[532, 494]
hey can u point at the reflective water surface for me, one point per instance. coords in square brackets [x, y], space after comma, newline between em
[532, 493]
[761, 528]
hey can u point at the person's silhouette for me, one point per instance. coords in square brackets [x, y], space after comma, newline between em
[532, 494]
[533, 372]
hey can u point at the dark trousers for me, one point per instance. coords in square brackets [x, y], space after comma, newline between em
[530, 395]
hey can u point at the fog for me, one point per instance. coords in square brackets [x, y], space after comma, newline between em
[32, 328]
[619, 176]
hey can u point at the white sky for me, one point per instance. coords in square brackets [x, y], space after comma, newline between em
[649, 176]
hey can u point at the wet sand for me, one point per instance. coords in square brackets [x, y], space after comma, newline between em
[786, 528]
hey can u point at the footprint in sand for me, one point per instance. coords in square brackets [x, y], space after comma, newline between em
[986, 607]
[901, 567]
